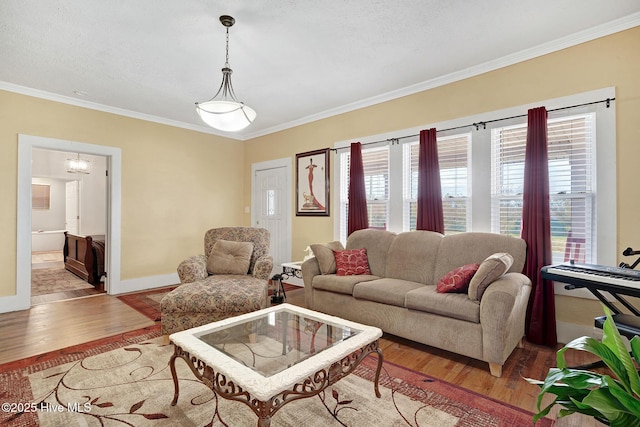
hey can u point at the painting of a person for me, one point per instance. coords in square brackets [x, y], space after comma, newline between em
[311, 167]
[311, 202]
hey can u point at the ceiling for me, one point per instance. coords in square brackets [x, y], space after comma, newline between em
[294, 61]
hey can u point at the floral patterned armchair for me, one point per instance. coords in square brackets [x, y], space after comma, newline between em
[260, 266]
[203, 298]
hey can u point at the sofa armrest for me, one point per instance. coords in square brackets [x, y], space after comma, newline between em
[503, 309]
[192, 269]
[310, 269]
[263, 267]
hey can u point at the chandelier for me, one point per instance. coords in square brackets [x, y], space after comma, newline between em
[226, 113]
[78, 165]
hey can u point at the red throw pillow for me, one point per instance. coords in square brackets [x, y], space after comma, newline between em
[457, 280]
[352, 262]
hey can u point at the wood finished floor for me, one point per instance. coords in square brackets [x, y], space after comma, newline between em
[56, 325]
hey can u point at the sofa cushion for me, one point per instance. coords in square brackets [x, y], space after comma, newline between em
[377, 243]
[386, 291]
[465, 248]
[457, 306]
[229, 257]
[324, 253]
[352, 262]
[412, 256]
[339, 284]
[491, 269]
[457, 280]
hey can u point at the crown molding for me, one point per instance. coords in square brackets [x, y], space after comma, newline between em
[593, 33]
[36, 93]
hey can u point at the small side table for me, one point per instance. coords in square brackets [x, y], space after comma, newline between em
[292, 269]
[289, 270]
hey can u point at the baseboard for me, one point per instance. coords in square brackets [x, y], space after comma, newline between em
[567, 332]
[13, 303]
[145, 283]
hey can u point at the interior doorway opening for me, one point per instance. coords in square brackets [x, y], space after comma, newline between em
[26, 143]
[73, 186]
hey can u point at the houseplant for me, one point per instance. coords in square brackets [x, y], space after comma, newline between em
[611, 399]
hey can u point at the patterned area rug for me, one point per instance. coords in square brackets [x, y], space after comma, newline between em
[125, 380]
[50, 280]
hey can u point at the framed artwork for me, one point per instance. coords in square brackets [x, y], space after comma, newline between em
[312, 183]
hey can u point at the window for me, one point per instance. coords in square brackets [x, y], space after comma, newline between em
[40, 196]
[375, 162]
[453, 158]
[482, 176]
[571, 184]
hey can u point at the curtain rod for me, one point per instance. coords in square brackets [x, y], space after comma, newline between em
[396, 140]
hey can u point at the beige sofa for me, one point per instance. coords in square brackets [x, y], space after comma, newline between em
[400, 297]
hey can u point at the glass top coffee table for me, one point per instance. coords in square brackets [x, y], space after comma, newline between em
[270, 357]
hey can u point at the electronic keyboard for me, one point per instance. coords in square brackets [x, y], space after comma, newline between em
[576, 274]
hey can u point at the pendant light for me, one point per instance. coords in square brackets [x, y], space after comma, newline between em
[224, 112]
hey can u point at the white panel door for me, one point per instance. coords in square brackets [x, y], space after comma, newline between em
[72, 207]
[271, 211]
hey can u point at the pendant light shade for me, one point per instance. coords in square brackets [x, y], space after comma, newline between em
[224, 112]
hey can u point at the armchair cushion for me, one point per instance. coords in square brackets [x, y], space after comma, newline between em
[229, 257]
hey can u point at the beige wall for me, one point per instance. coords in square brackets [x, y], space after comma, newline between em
[171, 177]
[605, 62]
[172, 189]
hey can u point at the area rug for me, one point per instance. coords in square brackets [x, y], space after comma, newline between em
[148, 302]
[50, 280]
[125, 381]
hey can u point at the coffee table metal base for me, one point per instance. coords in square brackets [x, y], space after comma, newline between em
[308, 387]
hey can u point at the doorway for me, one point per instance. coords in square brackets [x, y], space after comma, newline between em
[272, 206]
[26, 143]
[76, 206]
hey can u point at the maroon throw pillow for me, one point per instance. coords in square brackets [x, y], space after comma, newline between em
[352, 262]
[457, 280]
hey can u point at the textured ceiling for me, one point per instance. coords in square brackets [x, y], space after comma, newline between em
[294, 60]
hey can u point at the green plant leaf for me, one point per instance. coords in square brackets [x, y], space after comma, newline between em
[609, 399]
[604, 402]
[612, 339]
[628, 401]
[635, 348]
[593, 346]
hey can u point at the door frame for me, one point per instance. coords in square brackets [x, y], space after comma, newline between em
[22, 299]
[286, 163]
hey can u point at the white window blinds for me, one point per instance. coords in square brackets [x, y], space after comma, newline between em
[571, 184]
[375, 162]
[453, 158]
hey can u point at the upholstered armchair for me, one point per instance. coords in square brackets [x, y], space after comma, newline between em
[229, 279]
[260, 265]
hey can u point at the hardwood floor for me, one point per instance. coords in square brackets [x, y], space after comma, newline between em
[56, 325]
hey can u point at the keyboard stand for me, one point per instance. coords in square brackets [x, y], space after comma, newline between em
[627, 325]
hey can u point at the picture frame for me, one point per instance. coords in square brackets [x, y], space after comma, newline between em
[312, 183]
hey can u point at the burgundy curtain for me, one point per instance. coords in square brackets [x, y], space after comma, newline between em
[429, 213]
[536, 231]
[357, 217]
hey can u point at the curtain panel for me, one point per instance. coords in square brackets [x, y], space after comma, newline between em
[429, 209]
[357, 215]
[536, 231]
